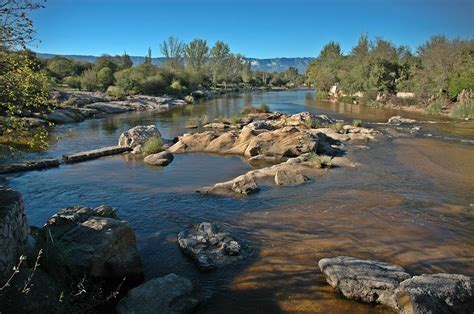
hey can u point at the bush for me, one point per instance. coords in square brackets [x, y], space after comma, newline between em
[154, 85]
[73, 81]
[322, 95]
[463, 109]
[152, 146]
[89, 81]
[116, 92]
[312, 123]
[400, 101]
[320, 161]
[105, 78]
[338, 126]
[357, 123]
[264, 107]
[435, 107]
[176, 87]
[347, 99]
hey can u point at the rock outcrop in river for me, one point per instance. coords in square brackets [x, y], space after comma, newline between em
[209, 246]
[293, 141]
[95, 242]
[388, 284]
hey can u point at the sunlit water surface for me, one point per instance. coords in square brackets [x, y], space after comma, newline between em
[408, 203]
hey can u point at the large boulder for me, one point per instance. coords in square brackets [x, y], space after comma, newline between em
[170, 294]
[14, 231]
[159, 159]
[209, 246]
[64, 116]
[94, 242]
[138, 135]
[364, 280]
[284, 177]
[438, 293]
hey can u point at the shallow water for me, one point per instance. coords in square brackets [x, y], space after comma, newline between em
[408, 203]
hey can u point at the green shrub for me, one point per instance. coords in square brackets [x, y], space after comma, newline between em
[320, 161]
[116, 92]
[154, 85]
[322, 95]
[176, 86]
[73, 81]
[463, 109]
[152, 146]
[338, 126]
[312, 123]
[357, 123]
[264, 107]
[435, 107]
[347, 99]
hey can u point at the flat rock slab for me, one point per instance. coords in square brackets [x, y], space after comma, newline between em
[30, 165]
[209, 246]
[170, 294]
[438, 293]
[364, 280]
[96, 153]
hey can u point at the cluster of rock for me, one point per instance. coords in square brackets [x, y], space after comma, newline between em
[79, 106]
[390, 285]
[209, 246]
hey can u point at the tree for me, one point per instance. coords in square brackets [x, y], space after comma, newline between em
[89, 80]
[220, 54]
[196, 53]
[105, 78]
[173, 50]
[323, 71]
[246, 72]
[148, 59]
[24, 88]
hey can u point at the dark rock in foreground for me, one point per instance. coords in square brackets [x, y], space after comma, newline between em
[210, 246]
[95, 242]
[170, 294]
[438, 293]
[30, 165]
[363, 280]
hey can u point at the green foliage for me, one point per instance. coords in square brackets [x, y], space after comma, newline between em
[463, 109]
[264, 107]
[338, 126]
[24, 90]
[105, 78]
[73, 81]
[462, 77]
[347, 99]
[357, 123]
[435, 107]
[116, 92]
[320, 161]
[313, 123]
[89, 81]
[152, 146]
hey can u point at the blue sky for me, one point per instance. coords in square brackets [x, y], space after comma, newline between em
[259, 28]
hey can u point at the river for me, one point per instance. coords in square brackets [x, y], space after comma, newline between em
[408, 203]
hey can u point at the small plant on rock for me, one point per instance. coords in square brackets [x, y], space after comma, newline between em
[338, 126]
[320, 161]
[152, 146]
[264, 107]
[357, 123]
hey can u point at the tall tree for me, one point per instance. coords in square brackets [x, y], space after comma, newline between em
[220, 54]
[196, 53]
[173, 50]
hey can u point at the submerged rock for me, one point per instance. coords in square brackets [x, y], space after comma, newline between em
[138, 135]
[438, 293]
[95, 242]
[364, 280]
[159, 159]
[400, 120]
[170, 294]
[209, 246]
[283, 177]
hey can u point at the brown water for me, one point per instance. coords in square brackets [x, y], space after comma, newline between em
[408, 203]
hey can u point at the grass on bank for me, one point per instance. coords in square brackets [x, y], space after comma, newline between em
[463, 109]
[320, 161]
[263, 108]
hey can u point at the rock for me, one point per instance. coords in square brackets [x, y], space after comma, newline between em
[245, 186]
[98, 243]
[438, 293]
[138, 135]
[400, 120]
[170, 294]
[242, 185]
[216, 125]
[160, 159]
[209, 246]
[14, 231]
[95, 153]
[64, 116]
[34, 122]
[363, 280]
[30, 165]
[283, 177]
[109, 107]
[138, 149]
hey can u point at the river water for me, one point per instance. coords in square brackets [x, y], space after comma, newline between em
[407, 203]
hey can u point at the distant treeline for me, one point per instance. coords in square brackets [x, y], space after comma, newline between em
[188, 67]
[438, 71]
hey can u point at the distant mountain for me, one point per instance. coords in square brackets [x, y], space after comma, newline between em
[267, 65]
